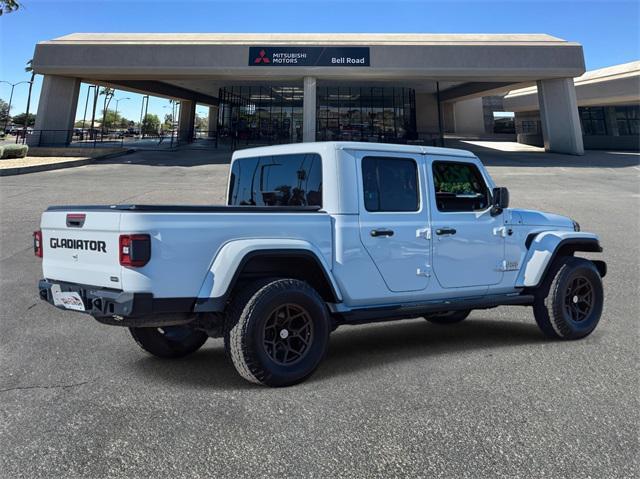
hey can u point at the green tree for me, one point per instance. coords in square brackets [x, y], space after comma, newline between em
[20, 119]
[4, 111]
[150, 124]
[8, 6]
[124, 123]
[202, 122]
[113, 119]
[168, 122]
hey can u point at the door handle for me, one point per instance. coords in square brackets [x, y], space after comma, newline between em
[445, 231]
[381, 232]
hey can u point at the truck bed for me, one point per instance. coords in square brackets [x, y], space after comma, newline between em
[184, 242]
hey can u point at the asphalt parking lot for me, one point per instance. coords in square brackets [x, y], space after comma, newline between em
[489, 397]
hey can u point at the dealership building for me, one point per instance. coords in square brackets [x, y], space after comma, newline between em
[608, 106]
[278, 88]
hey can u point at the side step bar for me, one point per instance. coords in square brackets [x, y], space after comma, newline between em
[388, 313]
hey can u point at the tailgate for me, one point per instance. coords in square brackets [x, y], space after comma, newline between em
[82, 247]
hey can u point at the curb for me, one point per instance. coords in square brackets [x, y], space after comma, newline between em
[22, 170]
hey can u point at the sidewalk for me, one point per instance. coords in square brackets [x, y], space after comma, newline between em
[32, 164]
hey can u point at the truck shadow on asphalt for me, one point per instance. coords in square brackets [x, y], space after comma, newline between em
[353, 349]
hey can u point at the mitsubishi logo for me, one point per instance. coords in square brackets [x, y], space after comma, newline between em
[262, 57]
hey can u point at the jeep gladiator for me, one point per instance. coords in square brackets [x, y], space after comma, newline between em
[314, 236]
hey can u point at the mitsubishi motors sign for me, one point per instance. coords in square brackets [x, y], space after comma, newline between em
[309, 56]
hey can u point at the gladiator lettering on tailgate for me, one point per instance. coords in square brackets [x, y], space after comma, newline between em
[87, 245]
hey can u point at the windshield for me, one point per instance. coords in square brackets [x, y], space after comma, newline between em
[277, 180]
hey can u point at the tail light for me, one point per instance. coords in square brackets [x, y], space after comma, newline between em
[37, 243]
[135, 250]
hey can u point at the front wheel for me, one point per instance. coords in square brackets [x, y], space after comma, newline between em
[277, 332]
[570, 301]
[169, 342]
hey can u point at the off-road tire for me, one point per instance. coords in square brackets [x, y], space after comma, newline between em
[450, 317]
[552, 308]
[160, 343]
[245, 334]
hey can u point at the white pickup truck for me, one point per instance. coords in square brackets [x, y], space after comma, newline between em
[313, 236]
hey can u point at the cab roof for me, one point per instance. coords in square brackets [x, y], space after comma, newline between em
[325, 146]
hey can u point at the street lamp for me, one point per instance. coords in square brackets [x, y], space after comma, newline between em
[118, 101]
[13, 85]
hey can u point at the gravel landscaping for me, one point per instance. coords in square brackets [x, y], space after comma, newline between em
[38, 161]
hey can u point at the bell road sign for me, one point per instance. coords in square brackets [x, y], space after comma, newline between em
[309, 56]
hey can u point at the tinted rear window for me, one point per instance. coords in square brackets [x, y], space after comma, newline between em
[279, 180]
[390, 184]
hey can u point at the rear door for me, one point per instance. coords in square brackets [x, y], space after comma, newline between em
[81, 247]
[468, 247]
[393, 218]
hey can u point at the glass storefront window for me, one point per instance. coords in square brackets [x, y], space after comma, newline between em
[628, 120]
[260, 115]
[592, 120]
[377, 114]
[271, 115]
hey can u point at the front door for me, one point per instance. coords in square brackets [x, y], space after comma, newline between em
[394, 218]
[468, 245]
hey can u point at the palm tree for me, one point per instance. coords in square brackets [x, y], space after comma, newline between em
[29, 69]
[8, 6]
[108, 95]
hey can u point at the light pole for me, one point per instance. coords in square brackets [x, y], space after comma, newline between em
[13, 85]
[84, 117]
[118, 100]
[145, 100]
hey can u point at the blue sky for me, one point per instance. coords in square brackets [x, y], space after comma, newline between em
[608, 30]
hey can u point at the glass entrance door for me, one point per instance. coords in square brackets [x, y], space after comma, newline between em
[258, 115]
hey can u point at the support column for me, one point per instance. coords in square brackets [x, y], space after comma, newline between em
[186, 120]
[56, 111]
[448, 114]
[559, 116]
[309, 110]
[213, 121]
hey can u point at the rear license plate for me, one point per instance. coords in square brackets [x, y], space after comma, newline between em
[66, 299]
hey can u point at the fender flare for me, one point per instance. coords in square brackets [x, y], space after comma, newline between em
[231, 258]
[544, 248]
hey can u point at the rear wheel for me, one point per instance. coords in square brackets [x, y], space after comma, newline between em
[569, 303]
[277, 332]
[449, 317]
[169, 341]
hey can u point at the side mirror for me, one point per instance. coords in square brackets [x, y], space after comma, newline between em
[500, 200]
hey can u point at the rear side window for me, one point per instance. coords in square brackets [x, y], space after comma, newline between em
[278, 180]
[459, 187]
[390, 184]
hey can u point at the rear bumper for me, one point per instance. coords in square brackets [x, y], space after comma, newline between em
[112, 306]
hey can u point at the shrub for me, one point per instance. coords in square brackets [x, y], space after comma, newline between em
[1, 151]
[14, 151]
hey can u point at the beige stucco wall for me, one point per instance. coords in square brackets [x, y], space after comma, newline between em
[426, 113]
[455, 57]
[619, 84]
[469, 117]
